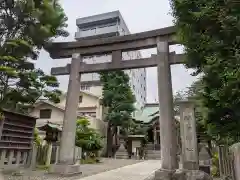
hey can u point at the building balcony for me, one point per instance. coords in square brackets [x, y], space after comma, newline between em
[98, 33]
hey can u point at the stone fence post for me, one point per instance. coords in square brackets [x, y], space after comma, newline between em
[77, 155]
[49, 153]
[33, 156]
[235, 150]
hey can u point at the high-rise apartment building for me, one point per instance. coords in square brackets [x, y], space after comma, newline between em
[108, 25]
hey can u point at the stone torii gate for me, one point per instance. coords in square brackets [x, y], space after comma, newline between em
[161, 39]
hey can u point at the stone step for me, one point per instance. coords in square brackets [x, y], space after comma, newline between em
[153, 146]
[153, 158]
[154, 151]
[121, 155]
[152, 154]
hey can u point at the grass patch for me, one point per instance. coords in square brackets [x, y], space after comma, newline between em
[90, 161]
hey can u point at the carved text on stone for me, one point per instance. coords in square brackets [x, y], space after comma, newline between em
[188, 135]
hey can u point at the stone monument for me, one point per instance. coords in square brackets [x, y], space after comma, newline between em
[190, 157]
[188, 136]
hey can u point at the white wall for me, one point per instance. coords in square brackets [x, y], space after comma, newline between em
[56, 116]
[87, 101]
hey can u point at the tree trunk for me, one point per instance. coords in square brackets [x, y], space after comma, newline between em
[4, 92]
[116, 140]
[109, 140]
[116, 131]
[210, 148]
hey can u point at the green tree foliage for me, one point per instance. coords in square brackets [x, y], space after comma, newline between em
[209, 30]
[138, 129]
[86, 137]
[37, 138]
[117, 97]
[26, 25]
[119, 101]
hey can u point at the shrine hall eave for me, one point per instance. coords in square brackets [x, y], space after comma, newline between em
[137, 41]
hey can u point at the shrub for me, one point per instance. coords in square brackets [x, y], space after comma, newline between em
[37, 138]
[88, 138]
[215, 165]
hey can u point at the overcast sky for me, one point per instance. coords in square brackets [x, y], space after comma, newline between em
[139, 15]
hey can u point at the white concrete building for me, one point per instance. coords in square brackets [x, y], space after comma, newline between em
[108, 25]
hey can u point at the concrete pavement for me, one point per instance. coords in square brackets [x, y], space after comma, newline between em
[139, 171]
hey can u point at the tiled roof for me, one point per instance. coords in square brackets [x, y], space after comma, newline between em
[149, 113]
[54, 126]
[145, 115]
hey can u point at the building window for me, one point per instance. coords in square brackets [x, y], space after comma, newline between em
[108, 25]
[88, 29]
[45, 113]
[80, 99]
[85, 87]
[92, 114]
[81, 114]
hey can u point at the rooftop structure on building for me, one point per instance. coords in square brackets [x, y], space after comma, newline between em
[101, 25]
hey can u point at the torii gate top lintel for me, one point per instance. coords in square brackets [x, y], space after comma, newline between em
[99, 46]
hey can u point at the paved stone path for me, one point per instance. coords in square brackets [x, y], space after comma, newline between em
[140, 171]
[106, 165]
[87, 170]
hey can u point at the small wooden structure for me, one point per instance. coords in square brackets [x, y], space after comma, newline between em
[49, 154]
[16, 139]
[53, 131]
[135, 144]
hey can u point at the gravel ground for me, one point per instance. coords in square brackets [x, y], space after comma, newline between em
[87, 170]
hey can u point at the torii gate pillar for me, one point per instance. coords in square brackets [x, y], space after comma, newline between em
[66, 164]
[167, 122]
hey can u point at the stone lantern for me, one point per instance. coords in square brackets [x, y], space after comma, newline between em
[52, 136]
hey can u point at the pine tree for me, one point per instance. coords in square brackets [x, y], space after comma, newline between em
[26, 25]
